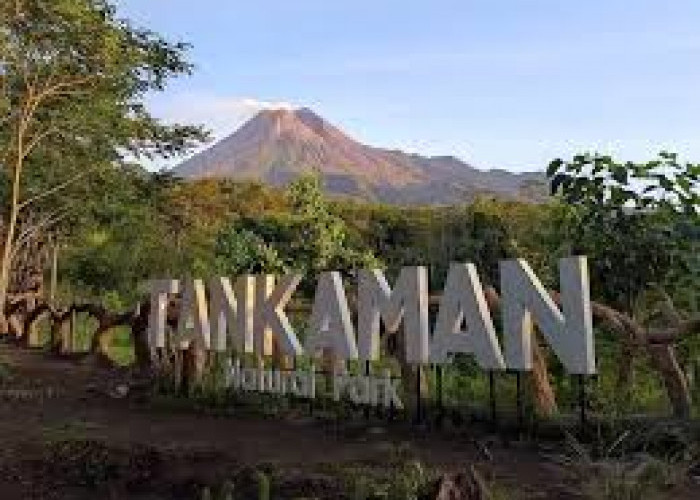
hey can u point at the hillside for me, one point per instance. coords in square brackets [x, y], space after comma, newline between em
[275, 146]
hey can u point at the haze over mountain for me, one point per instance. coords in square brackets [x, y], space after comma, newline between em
[275, 146]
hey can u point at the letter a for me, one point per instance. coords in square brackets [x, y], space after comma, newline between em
[331, 326]
[193, 323]
[463, 299]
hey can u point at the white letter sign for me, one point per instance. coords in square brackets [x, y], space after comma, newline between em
[463, 302]
[569, 333]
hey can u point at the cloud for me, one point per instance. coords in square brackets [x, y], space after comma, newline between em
[220, 114]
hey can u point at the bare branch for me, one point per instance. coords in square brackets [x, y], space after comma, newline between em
[37, 139]
[34, 229]
[55, 189]
[670, 335]
[668, 309]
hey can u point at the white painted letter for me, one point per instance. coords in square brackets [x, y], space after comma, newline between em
[330, 322]
[463, 299]
[569, 333]
[408, 301]
[270, 319]
[231, 313]
[159, 310]
[193, 323]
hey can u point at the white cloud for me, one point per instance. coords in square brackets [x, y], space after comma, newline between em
[221, 115]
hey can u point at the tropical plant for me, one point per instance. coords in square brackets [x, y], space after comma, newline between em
[72, 85]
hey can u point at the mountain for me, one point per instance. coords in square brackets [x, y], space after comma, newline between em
[275, 146]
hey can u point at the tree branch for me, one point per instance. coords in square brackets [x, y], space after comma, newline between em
[55, 189]
[35, 228]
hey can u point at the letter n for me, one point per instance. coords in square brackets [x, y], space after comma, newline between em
[231, 313]
[569, 332]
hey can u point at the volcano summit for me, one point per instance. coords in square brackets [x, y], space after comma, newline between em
[277, 145]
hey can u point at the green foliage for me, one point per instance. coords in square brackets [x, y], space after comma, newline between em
[628, 466]
[72, 89]
[89, 72]
[408, 482]
[309, 240]
[629, 218]
[320, 241]
[240, 251]
[263, 486]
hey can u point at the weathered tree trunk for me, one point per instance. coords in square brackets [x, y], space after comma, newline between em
[53, 285]
[665, 361]
[13, 214]
[40, 310]
[625, 371]
[139, 333]
[59, 334]
[31, 333]
[194, 365]
[15, 324]
[542, 390]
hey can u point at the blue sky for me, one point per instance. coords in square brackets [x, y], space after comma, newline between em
[509, 84]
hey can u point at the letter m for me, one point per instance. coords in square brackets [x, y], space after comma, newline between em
[408, 302]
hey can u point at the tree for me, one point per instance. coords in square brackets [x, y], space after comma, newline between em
[632, 220]
[628, 218]
[321, 241]
[240, 251]
[308, 239]
[72, 81]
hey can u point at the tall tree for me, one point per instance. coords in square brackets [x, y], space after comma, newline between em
[633, 220]
[73, 77]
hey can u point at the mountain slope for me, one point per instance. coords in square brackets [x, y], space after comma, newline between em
[275, 146]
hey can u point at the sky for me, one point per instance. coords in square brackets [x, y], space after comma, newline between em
[499, 83]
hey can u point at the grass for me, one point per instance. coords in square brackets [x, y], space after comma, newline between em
[122, 348]
[645, 463]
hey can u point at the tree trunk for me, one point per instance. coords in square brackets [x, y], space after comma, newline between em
[6, 263]
[139, 334]
[58, 334]
[664, 359]
[625, 371]
[194, 366]
[543, 392]
[102, 339]
[31, 333]
[32, 339]
[53, 285]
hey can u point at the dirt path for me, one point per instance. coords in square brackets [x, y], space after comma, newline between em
[56, 414]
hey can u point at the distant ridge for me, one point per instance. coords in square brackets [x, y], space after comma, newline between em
[277, 145]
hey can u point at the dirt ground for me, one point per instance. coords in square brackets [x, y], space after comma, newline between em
[66, 433]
